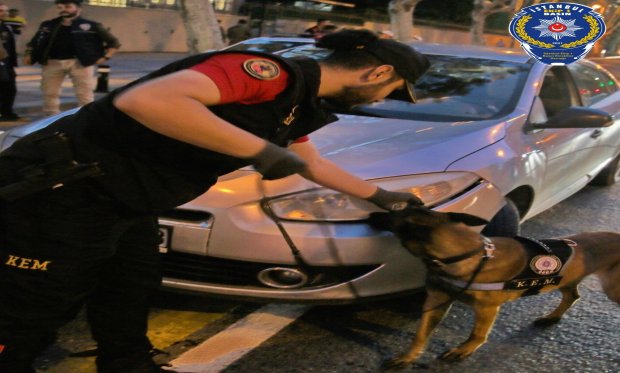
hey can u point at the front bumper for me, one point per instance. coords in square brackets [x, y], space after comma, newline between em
[354, 260]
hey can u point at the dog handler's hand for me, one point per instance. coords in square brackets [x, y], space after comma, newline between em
[274, 162]
[393, 201]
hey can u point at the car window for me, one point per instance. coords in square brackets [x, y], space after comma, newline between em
[308, 50]
[264, 45]
[594, 85]
[555, 92]
[459, 88]
[453, 89]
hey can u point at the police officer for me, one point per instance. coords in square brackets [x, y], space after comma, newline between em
[68, 240]
[8, 63]
[69, 45]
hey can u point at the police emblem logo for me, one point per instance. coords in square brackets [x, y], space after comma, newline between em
[557, 33]
[85, 26]
[545, 264]
[261, 69]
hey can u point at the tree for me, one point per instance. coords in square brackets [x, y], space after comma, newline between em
[201, 26]
[610, 41]
[483, 9]
[401, 18]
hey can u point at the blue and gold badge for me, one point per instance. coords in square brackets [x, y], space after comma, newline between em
[557, 33]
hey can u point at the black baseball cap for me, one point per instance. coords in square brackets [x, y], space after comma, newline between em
[408, 63]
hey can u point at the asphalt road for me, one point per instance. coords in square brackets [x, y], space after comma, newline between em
[359, 338]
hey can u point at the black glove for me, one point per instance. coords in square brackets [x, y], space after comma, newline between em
[274, 162]
[394, 201]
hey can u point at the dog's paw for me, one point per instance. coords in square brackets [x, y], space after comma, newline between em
[455, 354]
[546, 321]
[396, 363]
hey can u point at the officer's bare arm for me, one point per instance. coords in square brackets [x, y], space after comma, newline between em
[328, 174]
[174, 105]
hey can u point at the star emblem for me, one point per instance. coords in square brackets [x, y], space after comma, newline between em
[557, 27]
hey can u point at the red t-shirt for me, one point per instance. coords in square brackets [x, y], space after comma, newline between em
[240, 80]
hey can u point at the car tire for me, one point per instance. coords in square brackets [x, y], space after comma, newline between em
[610, 175]
[506, 223]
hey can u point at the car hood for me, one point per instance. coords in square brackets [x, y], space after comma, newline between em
[373, 147]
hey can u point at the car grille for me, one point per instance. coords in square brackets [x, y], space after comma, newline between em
[240, 273]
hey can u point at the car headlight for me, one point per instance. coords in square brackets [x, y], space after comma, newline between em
[328, 205]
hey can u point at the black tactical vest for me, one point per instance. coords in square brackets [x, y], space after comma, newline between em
[151, 173]
[87, 43]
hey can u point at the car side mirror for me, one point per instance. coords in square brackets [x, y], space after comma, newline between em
[575, 117]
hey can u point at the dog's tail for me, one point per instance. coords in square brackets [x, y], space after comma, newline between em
[610, 280]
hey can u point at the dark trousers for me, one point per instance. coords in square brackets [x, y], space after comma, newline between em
[65, 248]
[8, 91]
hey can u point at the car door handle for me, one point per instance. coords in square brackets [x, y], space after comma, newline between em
[596, 134]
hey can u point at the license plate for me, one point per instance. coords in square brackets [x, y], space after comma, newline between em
[165, 234]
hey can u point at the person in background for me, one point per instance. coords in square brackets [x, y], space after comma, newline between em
[8, 62]
[328, 29]
[238, 32]
[69, 45]
[222, 31]
[317, 29]
[16, 21]
[88, 235]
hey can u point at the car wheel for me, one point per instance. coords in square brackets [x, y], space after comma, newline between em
[505, 223]
[609, 175]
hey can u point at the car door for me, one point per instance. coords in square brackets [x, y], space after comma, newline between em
[599, 90]
[567, 149]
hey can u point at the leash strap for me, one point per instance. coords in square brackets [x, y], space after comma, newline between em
[294, 250]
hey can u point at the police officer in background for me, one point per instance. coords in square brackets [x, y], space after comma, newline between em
[69, 45]
[86, 231]
[8, 63]
[16, 21]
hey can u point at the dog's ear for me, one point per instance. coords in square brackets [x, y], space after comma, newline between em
[381, 221]
[467, 219]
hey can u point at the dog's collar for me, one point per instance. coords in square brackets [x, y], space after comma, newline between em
[487, 246]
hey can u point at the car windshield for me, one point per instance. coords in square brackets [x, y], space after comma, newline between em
[266, 45]
[455, 88]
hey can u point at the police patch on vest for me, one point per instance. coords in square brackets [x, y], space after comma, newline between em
[85, 26]
[545, 264]
[261, 69]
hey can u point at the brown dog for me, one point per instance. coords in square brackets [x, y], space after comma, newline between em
[463, 265]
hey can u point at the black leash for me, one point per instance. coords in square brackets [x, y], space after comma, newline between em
[294, 250]
[331, 244]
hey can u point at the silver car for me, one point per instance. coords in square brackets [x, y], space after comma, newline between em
[269, 44]
[493, 133]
